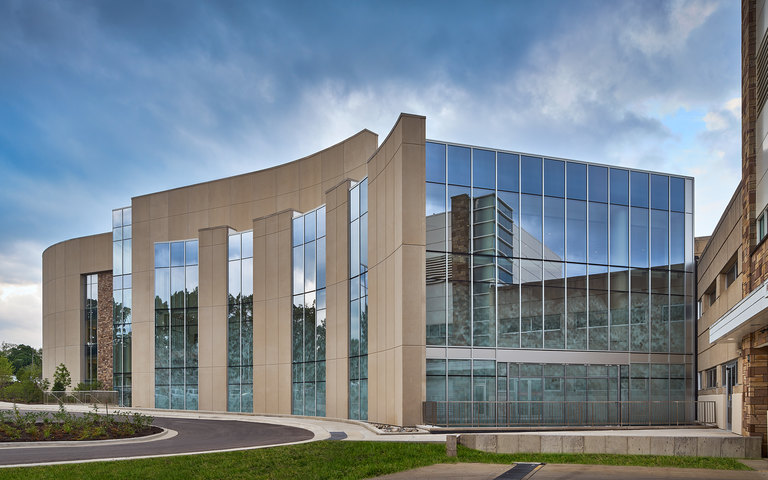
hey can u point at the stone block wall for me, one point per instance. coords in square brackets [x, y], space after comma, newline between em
[755, 385]
[104, 331]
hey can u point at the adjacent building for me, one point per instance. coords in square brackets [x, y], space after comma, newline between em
[407, 282]
[733, 268]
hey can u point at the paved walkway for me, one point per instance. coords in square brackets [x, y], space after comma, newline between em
[480, 471]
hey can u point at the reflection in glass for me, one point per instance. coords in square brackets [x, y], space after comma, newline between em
[483, 168]
[576, 286]
[659, 192]
[554, 305]
[531, 304]
[639, 189]
[458, 165]
[509, 302]
[619, 309]
[598, 184]
[554, 228]
[677, 194]
[598, 233]
[435, 167]
[639, 310]
[619, 186]
[554, 178]
[577, 181]
[659, 311]
[459, 223]
[677, 241]
[598, 308]
[508, 172]
[530, 175]
[531, 222]
[639, 237]
[659, 238]
[619, 235]
[576, 228]
[435, 211]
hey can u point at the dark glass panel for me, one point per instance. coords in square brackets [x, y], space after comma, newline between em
[677, 194]
[639, 237]
[576, 228]
[639, 189]
[483, 168]
[659, 192]
[530, 175]
[458, 314]
[554, 178]
[554, 228]
[598, 233]
[508, 172]
[435, 168]
[598, 184]
[484, 314]
[619, 235]
[459, 165]
[577, 181]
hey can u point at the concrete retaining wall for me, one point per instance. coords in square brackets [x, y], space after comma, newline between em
[701, 446]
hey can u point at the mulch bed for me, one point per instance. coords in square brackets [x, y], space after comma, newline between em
[56, 433]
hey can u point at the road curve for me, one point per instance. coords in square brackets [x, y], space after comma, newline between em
[194, 435]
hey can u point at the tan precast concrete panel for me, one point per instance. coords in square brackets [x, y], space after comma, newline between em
[64, 265]
[396, 278]
[337, 300]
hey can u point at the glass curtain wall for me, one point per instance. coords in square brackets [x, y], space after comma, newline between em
[358, 301]
[121, 303]
[309, 314]
[526, 252]
[91, 294]
[240, 323]
[176, 332]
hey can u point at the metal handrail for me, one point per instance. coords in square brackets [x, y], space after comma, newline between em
[83, 397]
[568, 413]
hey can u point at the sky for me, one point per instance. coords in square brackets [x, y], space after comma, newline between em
[101, 101]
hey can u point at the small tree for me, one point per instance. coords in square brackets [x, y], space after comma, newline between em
[61, 378]
[6, 371]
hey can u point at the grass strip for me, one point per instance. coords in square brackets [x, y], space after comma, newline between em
[331, 460]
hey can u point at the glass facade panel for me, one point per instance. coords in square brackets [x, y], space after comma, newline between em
[577, 181]
[176, 325]
[122, 301]
[497, 277]
[459, 172]
[435, 168]
[240, 322]
[309, 316]
[458, 161]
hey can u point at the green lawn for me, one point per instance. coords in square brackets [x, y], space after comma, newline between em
[331, 460]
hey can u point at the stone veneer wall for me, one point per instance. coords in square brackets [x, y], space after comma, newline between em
[104, 331]
[755, 384]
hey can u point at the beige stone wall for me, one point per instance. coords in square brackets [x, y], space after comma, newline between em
[723, 245]
[181, 213]
[337, 300]
[397, 291]
[272, 288]
[212, 319]
[64, 264]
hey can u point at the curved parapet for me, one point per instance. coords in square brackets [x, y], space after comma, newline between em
[65, 267]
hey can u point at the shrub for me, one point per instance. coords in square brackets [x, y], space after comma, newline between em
[61, 378]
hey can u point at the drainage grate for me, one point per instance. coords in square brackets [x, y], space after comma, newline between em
[338, 436]
[519, 471]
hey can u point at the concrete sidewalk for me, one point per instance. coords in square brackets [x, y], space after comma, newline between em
[480, 471]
